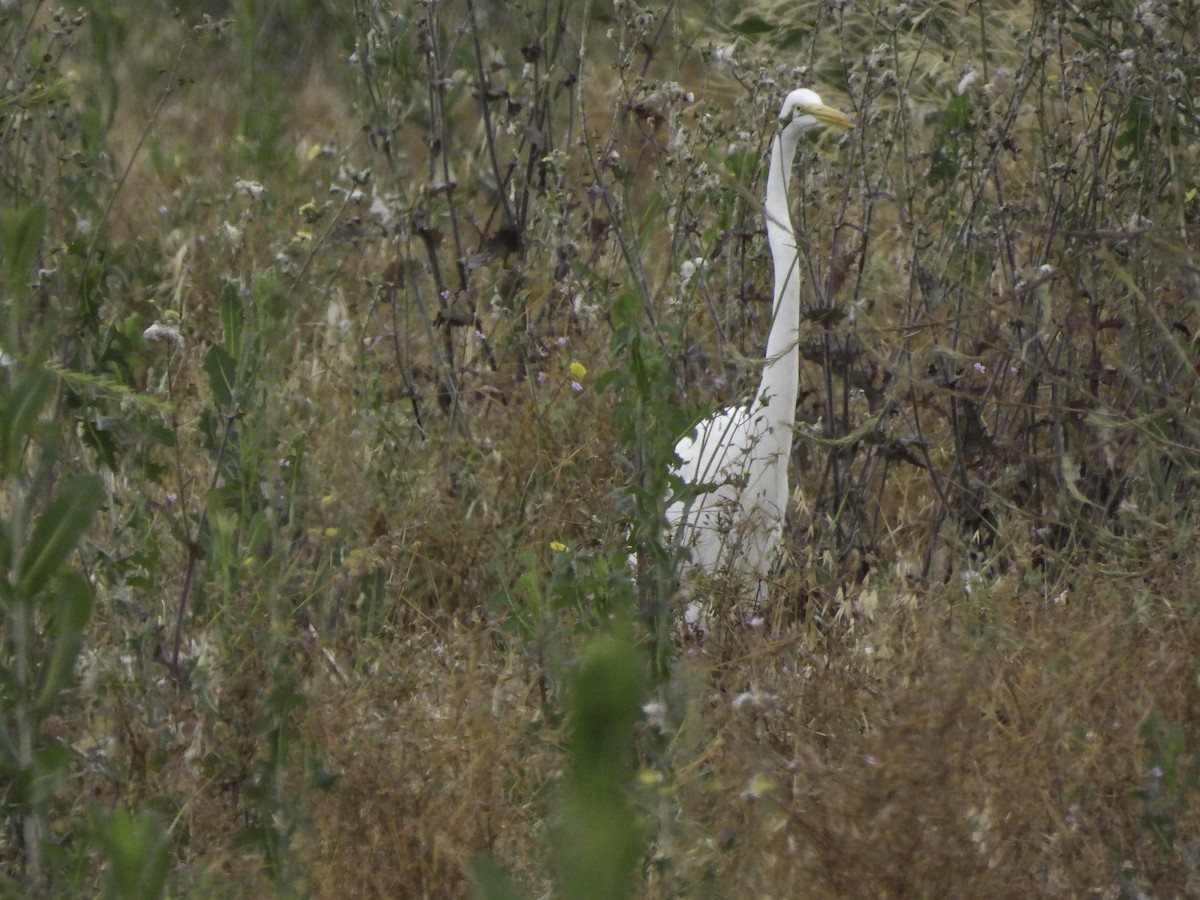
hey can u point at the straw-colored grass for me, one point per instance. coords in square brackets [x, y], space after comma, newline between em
[974, 675]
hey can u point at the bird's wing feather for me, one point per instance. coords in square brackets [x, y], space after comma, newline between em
[718, 445]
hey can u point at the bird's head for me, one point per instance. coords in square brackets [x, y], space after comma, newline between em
[804, 111]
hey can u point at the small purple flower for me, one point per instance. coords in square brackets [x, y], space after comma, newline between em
[561, 341]
[541, 377]
[979, 368]
[480, 336]
[756, 621]
[172, 497]
[576, 387]
[445, 295]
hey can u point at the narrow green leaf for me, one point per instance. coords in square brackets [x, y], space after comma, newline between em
[10, 763]
[57, 531]
[71, 608]
[232, 320]
[24, 406]
[20, 234]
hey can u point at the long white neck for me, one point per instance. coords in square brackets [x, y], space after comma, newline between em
[777, 392]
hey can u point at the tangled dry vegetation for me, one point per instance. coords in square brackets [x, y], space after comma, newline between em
[379, 472]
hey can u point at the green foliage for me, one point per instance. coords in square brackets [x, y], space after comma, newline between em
[45, 604]
[599, 839]
[953, 123]
[752, 26]
[138, 854]
[21, 233]
[1171, 780]
[26, 402]
[57, 531]
[492, 882]
[234, 534]
[649, 423]
[590, 588]
[599, 842]
[357, 429]
[278, 813]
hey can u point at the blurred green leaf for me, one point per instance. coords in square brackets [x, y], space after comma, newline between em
[753, 26]
[605, 704]
[492, 882]
[44, 778]
[600, 842]
[138, 852]
[18, 416]
[71, 607]
[741, 165]
[58, 530]
[20, 234]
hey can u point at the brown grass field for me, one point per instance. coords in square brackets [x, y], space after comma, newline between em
[366, 515]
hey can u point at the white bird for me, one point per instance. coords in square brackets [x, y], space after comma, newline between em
[740, 455]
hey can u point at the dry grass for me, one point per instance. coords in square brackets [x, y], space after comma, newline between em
[975, 675]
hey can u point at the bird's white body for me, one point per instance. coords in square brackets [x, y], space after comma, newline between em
[741, 454]
[736, 525]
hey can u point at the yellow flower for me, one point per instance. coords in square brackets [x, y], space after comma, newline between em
[331, 532]
[578, 369]
[760, 784]
[558, 546]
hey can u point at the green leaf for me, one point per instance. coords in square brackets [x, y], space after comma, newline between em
[753, 26]
[70, 610]
[232, 320]
[1138, 126]
[492, 882]
[605, 704]
[57, 532]
[20, 234]
[955, 116]
[742, 165]
[599, 839]
[9, 758]
[222, 377]
[24, 406]
[138, 852]
[38, 783]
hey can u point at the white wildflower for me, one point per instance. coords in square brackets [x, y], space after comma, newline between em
[159, 332]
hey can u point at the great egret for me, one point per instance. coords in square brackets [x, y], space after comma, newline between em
[741, 453]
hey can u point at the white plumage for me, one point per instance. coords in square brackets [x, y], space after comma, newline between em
[742, 453]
